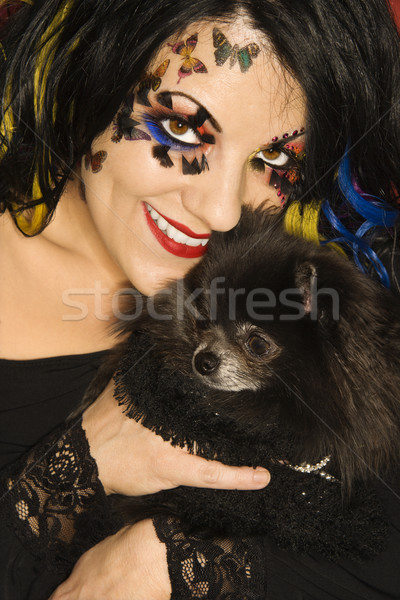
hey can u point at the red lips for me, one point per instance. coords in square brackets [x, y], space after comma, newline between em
[175, 248]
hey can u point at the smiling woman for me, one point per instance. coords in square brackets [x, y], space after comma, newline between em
[161, 136]
[130, 131]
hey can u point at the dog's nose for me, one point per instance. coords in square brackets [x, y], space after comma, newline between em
[206, 363]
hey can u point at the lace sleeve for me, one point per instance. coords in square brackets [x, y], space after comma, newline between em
[54, 501]
[211, 569]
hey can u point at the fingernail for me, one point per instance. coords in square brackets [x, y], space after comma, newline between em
[261, 476]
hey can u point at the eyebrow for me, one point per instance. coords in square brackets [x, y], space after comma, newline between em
[205, 114]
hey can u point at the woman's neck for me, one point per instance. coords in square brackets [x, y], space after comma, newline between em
[56, 289]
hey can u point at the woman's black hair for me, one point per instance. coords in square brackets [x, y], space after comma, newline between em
[68, 65]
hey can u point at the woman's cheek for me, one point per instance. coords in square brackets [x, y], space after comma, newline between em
[257, 190]
[131, 166]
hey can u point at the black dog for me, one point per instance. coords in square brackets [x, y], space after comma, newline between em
[272, 351]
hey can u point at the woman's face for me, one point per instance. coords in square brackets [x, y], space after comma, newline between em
[216, 123]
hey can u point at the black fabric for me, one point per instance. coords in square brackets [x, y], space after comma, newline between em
[306, 511]
[287, 576]
[37, 396]
[223, 568]
[53, 509]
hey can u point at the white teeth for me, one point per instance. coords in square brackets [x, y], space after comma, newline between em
[180, 237]
[172, 232]
[162, 223]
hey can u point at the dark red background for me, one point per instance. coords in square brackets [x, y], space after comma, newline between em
[396, 8]
[5, 11]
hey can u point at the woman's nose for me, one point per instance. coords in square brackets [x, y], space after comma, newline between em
[215, 196]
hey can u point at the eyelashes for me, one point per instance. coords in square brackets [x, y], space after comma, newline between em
[180, 133]
[183, 133]
[284, 162]
[273, 157]
[178, 129]
[175, 131]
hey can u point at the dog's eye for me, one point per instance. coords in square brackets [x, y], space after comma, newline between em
[258, 345]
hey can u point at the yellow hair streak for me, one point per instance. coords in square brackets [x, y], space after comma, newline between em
[302, 221]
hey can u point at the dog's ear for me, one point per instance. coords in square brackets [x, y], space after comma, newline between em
[306, 279]
[320, 303]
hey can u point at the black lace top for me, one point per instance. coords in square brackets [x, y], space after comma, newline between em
[53, 508]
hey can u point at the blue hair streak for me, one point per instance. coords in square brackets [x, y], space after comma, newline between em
[376, 213]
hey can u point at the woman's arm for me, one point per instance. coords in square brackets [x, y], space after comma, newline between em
[134, 564]
[130, 565]
[54, 500]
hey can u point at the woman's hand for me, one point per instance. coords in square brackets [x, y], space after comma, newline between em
[130, 565]
[132, 460]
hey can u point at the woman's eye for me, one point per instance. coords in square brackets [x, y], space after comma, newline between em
[272, 157]
[258, 345]
[179, 129]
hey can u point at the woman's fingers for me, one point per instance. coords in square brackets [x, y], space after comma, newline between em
[132, 460]
[169, 467]
[195, 471]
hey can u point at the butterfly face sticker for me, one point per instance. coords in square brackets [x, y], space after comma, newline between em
[125, 126]
[224, 50]
[190, 64]
[95, 162]
[281, 162]
[151, 81]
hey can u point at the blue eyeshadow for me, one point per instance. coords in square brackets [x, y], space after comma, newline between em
[160, 135]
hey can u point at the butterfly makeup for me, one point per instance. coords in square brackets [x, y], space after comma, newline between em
[125, 126]
[224, 50]
[95, 162]
[151, 81]
[281, 162]
[190, 64]
[178, 123]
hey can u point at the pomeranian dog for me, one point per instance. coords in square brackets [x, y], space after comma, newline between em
[271, 351]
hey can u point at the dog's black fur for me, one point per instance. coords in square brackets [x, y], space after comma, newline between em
[290, 386]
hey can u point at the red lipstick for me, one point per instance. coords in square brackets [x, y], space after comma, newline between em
[175, 248]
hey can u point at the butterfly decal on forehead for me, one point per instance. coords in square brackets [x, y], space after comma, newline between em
[225, 50]
[151, 81]
[190, 64]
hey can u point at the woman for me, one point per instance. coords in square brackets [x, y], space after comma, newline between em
[247, 101]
